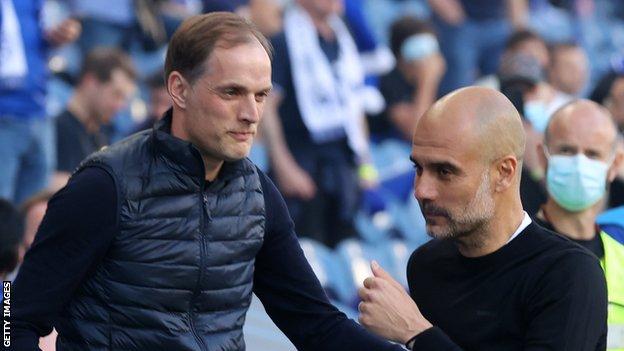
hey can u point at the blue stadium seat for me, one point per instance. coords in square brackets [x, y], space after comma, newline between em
[398, 253]
[357, 255]
[373, 228]
[261, 333]
[396, 173]
[329, 269]
[409, 221]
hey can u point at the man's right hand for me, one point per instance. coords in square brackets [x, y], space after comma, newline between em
[387, 310]
[293, 181]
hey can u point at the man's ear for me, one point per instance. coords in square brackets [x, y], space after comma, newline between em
[506, 172]
[178, 88]
[617, 164]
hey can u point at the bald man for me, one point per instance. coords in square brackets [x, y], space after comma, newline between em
[581, 157]
[490, 279]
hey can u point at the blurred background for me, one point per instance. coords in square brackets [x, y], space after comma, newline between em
[60, 101]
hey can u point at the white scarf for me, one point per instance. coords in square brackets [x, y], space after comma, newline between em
[327, 94]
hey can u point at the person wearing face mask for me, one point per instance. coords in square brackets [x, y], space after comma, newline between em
[581, 157]
[521, 77]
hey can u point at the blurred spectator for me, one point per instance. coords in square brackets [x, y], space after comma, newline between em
[530, 44]
[380, 14]
[314, 122]
[544, 100]
[610, 93]
[581, 156]
[159, 101]
[33, 210]
[473, 34]
[106, 82]
[375, 56]
[223, 5]
[121, 23]
[553, 19]
[616, 190]
[26, 135]
[569, 69]
[521, 43]
[265, 14]
[11, 234]
[520, 77]
[104, 23]
[412, 85]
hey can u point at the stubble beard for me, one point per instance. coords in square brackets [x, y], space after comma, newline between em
[467, 225]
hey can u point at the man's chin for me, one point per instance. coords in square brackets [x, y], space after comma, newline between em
[438, 232]
[236, 156]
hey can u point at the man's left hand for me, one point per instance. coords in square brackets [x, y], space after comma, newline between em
[387, 310]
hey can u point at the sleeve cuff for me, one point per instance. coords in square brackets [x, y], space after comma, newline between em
[433, 339]
[24, 340]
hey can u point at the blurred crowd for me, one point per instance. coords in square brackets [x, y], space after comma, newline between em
[77, 75]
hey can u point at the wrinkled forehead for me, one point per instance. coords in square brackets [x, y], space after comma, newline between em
[248, 62]
[598, 139]
[438, 144]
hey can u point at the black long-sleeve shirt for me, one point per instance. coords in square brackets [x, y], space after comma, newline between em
[538, 292]
[79, 225]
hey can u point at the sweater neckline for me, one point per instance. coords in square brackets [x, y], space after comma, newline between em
[520, 245]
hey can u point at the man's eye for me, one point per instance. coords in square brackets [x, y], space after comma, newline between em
[418, 169]
[261, 97]
[230, 92]
[593, 155]
[567, 151]
[444, 172]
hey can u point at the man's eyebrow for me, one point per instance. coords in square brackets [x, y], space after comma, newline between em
[445, 164]
[241, 88]
[231, 86]
[439, 164]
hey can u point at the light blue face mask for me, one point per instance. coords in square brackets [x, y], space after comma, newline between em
[576, 182]
[419, 46]
[536, 113]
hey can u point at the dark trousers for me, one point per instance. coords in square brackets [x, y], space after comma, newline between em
[328, 217]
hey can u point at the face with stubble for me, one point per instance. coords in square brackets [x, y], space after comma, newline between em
[453, 183]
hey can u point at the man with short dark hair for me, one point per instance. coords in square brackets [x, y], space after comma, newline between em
[106, 82]
[569, 68]
[490, 279]
[412, 86]
[26, 131]
[159, 102]
[158, 241]
[314, 124]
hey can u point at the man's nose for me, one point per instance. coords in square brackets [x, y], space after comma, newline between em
[249, 109]
[424, 187]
